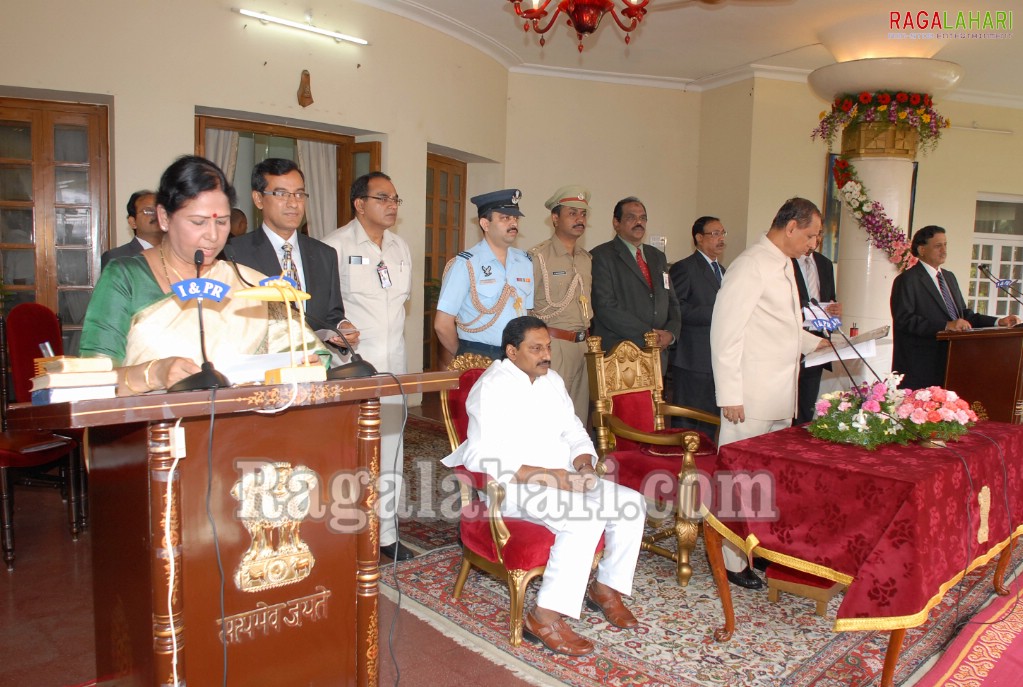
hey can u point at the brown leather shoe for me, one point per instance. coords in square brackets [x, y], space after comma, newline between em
[610, 604]
[558, 637]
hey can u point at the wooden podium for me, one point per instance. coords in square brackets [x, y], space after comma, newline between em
[986, 365]
[282, 500]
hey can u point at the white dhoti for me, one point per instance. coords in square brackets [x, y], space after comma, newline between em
[578, 519]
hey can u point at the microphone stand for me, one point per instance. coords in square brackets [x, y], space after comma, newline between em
[1004, 289]
[207, 377]
[849, 343]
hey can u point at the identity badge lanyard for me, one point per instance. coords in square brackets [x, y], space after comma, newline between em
[385, 277]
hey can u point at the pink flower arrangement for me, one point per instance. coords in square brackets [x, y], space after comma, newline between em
[935, 404]
[870, 415]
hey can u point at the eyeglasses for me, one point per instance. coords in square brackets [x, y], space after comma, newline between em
[386, 200]
[283, 195]
[716, 234]
[149, 212]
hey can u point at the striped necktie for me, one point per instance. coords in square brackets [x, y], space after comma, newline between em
[946, 296]
[717, 270]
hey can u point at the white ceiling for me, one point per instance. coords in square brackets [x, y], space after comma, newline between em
[699, 44]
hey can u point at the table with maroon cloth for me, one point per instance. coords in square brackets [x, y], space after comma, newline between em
[892, 523]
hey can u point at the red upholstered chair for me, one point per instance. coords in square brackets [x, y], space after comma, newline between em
[510, 549]
[635, 448]
[21, 449]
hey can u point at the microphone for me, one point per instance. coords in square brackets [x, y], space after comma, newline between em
[849, 343]
[356, 367]
[207, 377]
[999, 284]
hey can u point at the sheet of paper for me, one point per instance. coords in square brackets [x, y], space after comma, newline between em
[867, 349]
[246, 369]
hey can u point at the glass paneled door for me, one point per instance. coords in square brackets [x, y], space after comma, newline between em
[53, 206]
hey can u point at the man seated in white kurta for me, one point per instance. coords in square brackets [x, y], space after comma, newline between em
[524, 433]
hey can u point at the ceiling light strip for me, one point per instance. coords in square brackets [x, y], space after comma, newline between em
[303, 27]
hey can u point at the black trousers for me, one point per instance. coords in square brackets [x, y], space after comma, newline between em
[809, 389]
[694, 390]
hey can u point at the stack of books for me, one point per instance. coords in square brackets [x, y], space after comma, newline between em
[63, 379]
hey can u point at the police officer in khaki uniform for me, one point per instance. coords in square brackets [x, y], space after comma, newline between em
[561, 298]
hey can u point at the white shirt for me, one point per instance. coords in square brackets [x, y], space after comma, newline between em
[296, 255]
[378, 312]
[811, 277]
[933, 272]
[513, 422]
[142, 242]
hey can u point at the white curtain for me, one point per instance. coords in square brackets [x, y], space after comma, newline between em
[318, 161]
[222, 150]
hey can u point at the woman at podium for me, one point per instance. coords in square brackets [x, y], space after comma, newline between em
[144, 309]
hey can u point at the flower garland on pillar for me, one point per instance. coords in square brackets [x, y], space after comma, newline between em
[895, 109]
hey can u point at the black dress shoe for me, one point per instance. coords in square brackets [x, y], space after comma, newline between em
[747, 579]
[760, 563]
[397, 551]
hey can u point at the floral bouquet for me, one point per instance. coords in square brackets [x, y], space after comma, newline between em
[870, 415]
[915, 110]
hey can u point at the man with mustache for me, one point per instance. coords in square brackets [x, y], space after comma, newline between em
[278, 190]
[632, 292]
[696, 281]
[142, 220]
[548, 476]
[487, 286]
[562, 274]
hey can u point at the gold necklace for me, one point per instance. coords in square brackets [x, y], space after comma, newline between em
[163, 261]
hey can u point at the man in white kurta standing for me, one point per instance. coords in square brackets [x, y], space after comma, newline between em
[757, 338]
[523, 432]
[375, 266]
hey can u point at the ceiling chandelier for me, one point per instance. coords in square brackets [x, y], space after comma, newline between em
[583, 15]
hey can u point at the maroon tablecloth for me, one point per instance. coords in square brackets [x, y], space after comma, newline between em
[892, 523]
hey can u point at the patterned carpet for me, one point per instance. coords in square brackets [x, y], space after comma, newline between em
[774, 644]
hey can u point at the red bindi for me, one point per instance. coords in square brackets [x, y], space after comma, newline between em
[214, 215]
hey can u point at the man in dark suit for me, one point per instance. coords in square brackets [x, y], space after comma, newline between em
[632, 292]
[278, 189]
[142, 220]
[815, 280]
[696, 281]
[926, 300]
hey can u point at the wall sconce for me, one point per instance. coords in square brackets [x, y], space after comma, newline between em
[265, 18]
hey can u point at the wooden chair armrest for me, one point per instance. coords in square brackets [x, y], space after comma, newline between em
[692, 413]
[498, 529]
[621, 429]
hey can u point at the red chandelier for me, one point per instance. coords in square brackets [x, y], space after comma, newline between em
[583, 15]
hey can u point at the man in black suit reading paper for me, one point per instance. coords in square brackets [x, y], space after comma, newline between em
[926, 300]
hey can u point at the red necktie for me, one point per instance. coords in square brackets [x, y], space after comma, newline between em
[644, 269]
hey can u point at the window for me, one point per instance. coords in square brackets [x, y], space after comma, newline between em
[53, 201]
[997, 248]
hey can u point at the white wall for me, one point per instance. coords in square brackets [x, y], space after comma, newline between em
[617, 140]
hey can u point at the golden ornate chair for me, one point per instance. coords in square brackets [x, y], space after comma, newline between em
[636, 449]
[510, 549]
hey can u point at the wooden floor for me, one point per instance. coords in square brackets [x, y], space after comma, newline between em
[46, 613]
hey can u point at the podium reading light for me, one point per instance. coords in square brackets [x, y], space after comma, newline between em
[282, 290]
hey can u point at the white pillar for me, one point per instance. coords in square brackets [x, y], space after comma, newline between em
[865, 274]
